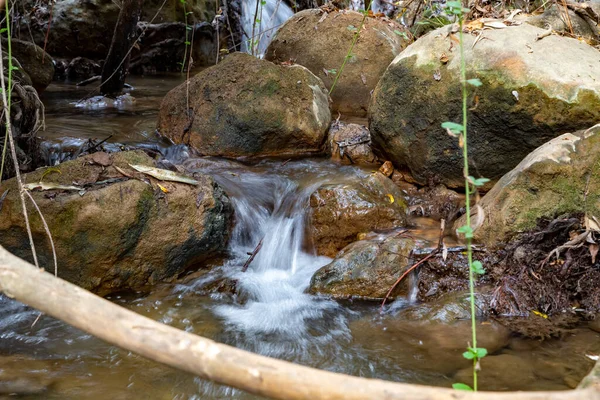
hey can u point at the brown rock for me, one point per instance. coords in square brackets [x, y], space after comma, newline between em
[351, 144]
[239, 110]
[340, 212]
[319, 40]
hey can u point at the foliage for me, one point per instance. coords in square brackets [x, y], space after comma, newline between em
[459, 131]
[188, 28]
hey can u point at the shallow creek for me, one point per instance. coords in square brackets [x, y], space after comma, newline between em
[270, 314]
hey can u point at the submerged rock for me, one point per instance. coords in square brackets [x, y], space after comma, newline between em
[118, 233]
[426, 345]
[366, 269]
[532, 91]
[319, 39]
[339, 213]
[351, 144]
[247, 107]
[557, 178]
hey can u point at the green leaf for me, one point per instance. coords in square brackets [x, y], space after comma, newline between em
[453, 127]
[477, 353]
[462, 386]
[188, 43]
[478, 267]
[466, 230]
[403, 35]
[13, 68]
[352, 28]
[3, 30]
[474, 82]
[189, 12]
[189, 28]
[477, 181]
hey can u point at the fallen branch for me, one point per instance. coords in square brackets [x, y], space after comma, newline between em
[435, 251]
[252, 255]
[214, 361]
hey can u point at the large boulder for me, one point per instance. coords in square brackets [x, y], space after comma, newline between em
[245, 107]
[533, 90]
[559, 177]
[320, 39]
[37, 64]
[366, 269]
[340, 212]
[118, 233]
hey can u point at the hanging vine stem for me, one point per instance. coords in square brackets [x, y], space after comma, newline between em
[459, 131]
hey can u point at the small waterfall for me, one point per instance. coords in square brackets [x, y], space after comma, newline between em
[262, 18]
[271, 207]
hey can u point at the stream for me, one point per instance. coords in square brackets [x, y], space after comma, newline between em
[270, 313]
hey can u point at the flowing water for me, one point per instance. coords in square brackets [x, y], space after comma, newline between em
[270, 313]
[260, 20]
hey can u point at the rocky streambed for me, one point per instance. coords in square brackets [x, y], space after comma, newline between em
[240, 206]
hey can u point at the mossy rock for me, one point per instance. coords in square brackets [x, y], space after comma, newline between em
[532, 91]
[123, 234]
[247, 107]
[560, 177]
[319, 39]
[366, 269]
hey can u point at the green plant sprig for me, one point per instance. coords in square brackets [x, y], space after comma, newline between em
[473, 352]
[187, 31]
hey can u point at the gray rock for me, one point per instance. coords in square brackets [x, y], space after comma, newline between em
[532, 92]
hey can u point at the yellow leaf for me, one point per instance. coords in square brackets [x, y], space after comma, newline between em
[162, 188]
[540, 314]
[391, 198]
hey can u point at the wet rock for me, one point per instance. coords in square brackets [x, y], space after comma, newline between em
[38, 66]
[122, 234]
[319, 40]
[436, 202]
[558, 177]
[449, 308]
[247, 107]
[532, 91]
[339, 213]
[81, 68]
[84, 28]
[366, 269]
[554, 18]
[351, 144]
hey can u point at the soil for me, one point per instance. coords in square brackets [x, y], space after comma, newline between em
[532, 294]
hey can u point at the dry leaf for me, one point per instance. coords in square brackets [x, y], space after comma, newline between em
[162, 188]
[591, 224]
[444, 58]
[391, 198]
[323, 17]
[594, 252]
[444, 251]
[363, 78]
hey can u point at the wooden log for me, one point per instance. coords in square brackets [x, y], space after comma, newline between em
[217, 362]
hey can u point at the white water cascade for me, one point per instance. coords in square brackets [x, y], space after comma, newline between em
[260, 20]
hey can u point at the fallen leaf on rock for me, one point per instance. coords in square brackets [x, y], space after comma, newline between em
[390, 198]
[164, 174]
[162, 188]
[49, 186]
[101, 158]
[540, 314]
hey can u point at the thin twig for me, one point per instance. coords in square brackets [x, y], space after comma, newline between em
[254, 253]
[414, 266]
[47, 229]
